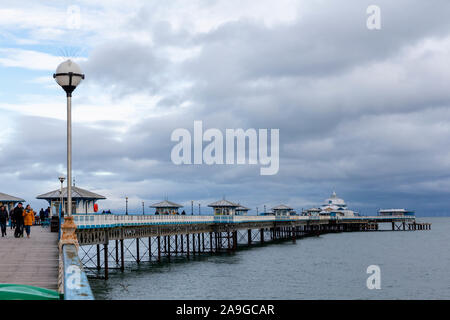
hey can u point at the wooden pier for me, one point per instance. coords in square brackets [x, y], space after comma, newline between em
[32, 261]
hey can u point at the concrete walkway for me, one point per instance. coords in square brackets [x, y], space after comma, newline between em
[31, 261]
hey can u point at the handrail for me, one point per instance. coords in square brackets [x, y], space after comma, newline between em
[110, 220]
[76, 285]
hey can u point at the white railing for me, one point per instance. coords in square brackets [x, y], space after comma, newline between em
[111, 220]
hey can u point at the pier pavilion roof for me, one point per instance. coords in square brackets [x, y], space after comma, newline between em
[77, 193]
[7, 198]
[166, 204]
[282, 207]
[223, 203]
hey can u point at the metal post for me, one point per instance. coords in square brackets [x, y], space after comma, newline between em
[117, 251]
[203, 241]
[249, 237]
[106, 260]
[193, 243]
[187, 245]
[176, 244]
[122, 258]
[149, 248]
[137, 251]
[168, 246]
[182, 244]
[159, 248]
[262, 235]
[210, 242]
[69, 154]
[98, 257]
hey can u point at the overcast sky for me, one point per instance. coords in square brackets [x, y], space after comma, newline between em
[363, 112]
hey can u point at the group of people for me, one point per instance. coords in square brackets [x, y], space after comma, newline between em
[20, 219]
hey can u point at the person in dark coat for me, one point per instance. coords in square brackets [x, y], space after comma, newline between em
[3, 220]
[18, 218]
[41, 216]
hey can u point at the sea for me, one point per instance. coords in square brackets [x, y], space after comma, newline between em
[410, 265]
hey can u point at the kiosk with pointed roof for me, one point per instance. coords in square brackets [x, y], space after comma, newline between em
[224, 207]
[9, 201]
[282, 210]
[241, 210]
[83, 201]
[166, 207]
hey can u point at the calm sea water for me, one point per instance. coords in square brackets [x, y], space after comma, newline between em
[414, 265]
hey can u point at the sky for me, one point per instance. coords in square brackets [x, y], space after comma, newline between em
[364, 112]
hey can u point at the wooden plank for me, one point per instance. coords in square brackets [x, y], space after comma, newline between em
[32, 261]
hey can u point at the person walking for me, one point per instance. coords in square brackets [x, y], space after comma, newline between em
[28, 219]
[3, 220]
[41, 216]
[11, 219]
[18, 220]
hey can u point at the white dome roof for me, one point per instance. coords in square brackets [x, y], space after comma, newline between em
[334, 200]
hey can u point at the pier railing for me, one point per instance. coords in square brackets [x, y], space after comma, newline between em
[111, 220]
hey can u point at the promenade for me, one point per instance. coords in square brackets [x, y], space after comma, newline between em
[31, 261]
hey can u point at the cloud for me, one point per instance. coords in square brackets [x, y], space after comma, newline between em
[363, 112]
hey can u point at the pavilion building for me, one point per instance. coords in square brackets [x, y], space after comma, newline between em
[336, 207]
[395, 212]
[242, 211]
[83, 201]
[9, 201]
[166, 207]
[224, 208]
[282, 210]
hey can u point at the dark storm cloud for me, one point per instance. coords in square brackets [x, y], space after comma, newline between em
[364, 112]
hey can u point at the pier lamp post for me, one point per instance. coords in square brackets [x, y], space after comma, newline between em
[68, 75]
[61, 201]
[61, 179]
[143, 210]
[126, 205]
[199, 209]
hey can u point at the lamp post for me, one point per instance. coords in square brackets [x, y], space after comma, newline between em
[68, 75]
[126, 205]
[61, 179]
[143, 210]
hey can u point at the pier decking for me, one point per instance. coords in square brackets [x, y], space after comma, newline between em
[31, 261]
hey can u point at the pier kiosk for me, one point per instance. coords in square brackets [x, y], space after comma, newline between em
[395, 212]
[242, 211]
[166, 207]
[224, 208]
[83, 201]
[9, 201]
[282, 210]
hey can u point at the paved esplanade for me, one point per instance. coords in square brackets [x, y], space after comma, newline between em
[31, 261]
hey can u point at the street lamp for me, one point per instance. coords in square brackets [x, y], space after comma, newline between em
[68, 75]
[143, 210]
[126, 205]
[61, 179]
